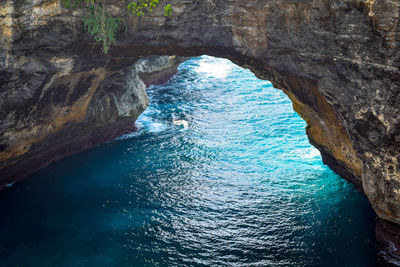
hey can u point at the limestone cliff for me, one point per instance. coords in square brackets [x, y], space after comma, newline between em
[71, 111]
[337, 60]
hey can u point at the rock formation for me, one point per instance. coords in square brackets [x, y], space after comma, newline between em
[337, 60]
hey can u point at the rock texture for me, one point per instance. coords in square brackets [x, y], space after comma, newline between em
[69, 111]
[337, 60]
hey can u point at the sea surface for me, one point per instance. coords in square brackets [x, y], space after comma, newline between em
[219, 173]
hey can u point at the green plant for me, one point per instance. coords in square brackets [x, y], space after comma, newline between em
[103, 26]
[23, 2]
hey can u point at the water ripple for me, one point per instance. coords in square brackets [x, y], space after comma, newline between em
[238, 185]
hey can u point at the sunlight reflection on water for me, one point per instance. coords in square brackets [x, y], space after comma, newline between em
[240, 186]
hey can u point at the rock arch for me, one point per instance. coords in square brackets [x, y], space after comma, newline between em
[337, 60]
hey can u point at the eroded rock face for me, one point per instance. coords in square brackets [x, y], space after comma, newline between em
[71, 111]
[337, 60]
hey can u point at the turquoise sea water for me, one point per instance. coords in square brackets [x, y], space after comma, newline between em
[239, 185]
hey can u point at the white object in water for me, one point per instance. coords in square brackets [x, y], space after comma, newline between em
[181, 122]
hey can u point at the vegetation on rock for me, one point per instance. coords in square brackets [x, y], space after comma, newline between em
[102, 25]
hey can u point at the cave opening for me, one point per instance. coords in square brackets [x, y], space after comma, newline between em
[220, 170]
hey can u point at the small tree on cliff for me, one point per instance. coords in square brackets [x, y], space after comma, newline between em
[102, 25]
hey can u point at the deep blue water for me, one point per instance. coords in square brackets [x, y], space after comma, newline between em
[240, 186]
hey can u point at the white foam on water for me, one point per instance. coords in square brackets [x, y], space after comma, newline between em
[311, 153]
[217, 68]
[155, 127]
[129, 135]
[183, 123]
[305, 153]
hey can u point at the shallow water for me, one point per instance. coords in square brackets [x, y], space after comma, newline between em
[239, 185]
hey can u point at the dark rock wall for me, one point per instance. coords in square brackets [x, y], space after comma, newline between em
[337, 60]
